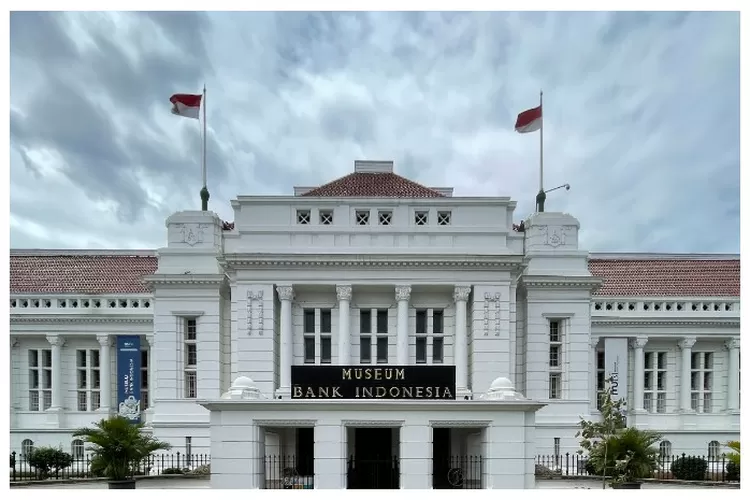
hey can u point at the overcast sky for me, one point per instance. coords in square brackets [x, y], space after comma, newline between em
[642, 117]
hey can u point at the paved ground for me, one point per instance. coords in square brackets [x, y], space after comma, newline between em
[168, 484]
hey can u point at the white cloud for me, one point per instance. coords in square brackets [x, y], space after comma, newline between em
[641, 116]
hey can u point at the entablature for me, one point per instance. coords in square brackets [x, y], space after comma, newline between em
[105, 306]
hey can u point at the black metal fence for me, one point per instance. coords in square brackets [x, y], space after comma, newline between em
[688, 467]
[459, 472]
[288, 472]
[83, 467]
[380, 474]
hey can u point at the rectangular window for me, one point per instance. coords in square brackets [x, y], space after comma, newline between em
[191, 358]
[144, 379]
[444, 218]
[437, 321]
[601, 379]
[555, 359]
[303, 216]
[309, 348]
[325, 321]
[701, 381]
[437, 349]
[421, 321]
[362, 217]
[308, 320]
[365, 321]
[382, 326]
[365, 349]
[326, 217]
[325, 349]
[40, 379]
[655, 382]
[421, 218]
[385, 217]
[421, 349]
[382, 349]
[88, 377]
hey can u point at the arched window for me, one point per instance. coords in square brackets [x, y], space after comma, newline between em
[27, 446]
[77, 449]
[665, 450]
[714, 450]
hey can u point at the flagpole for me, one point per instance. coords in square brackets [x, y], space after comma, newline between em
[204, 191]
[541, 196]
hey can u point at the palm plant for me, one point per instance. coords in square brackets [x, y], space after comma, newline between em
[118, 446]
[734, 455]
[630, 454]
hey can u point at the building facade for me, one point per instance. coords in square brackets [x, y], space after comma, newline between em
[375, 271]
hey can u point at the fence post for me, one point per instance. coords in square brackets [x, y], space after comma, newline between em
[13, 464]
[567, 460]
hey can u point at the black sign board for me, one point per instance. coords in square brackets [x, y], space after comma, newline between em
[374, 382]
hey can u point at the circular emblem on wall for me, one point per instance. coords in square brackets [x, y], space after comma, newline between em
[456, 477]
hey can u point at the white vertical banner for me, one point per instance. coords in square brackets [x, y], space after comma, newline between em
[616, 366]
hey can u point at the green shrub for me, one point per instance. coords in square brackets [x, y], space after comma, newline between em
[689, 468]
[172, 470]
[47, 459]
[591, 469]
[733, 471]
[201, 470]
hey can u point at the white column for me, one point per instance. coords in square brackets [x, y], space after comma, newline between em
[686, 344]
[105, 373]
[461, 358]
[638, 344]
[286, 295]
[152, 366]
[594, 342]
[14, 403]
[733, 372]
[344, 294]
[56, 342]
[403, 292]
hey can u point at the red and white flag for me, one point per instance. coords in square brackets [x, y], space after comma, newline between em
[529, 120]
[187, 105]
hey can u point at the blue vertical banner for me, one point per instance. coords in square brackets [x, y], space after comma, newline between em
[129, 377]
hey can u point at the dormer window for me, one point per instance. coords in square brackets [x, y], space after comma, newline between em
[444, 218]
[303, 216]
[362, 217]
[326, 217]
[421, 218]
[384, 217]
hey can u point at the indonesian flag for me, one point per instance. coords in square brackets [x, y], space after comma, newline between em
[187, 105]
[529, 121]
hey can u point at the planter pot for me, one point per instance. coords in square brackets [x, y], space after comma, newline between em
[627, 486]
[126, 484]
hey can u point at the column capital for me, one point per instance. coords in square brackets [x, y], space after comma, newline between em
[56, 340]
[687, 343]
[150, 340]
[285, 292]
[639, 342]
[104, 340]
[732, 343]
[461, 293]
[344, 292]
[13, 341]
[403, 292]
[594, 341]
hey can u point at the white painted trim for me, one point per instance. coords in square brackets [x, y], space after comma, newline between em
[25, 318]
[368, 405]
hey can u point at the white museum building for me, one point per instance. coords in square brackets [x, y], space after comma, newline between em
[374, 329]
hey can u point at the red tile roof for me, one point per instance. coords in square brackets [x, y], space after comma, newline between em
[83, 273]
[673, 276]
[373, 185]
[121, 272]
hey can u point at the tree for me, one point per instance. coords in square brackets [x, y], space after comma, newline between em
[119, 446]
[734, 455]
[595, 434]
[47, 459]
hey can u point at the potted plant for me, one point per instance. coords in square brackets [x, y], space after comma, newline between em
[118, 447]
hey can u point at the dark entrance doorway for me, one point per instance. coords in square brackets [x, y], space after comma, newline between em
[373, 465]
[441, 458]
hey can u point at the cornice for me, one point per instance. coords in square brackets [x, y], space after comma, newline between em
[582, 282]
[725, 322]
[180, 280]
[376, 261]
[69, 319]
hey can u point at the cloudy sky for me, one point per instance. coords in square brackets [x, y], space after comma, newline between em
[642, 116]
